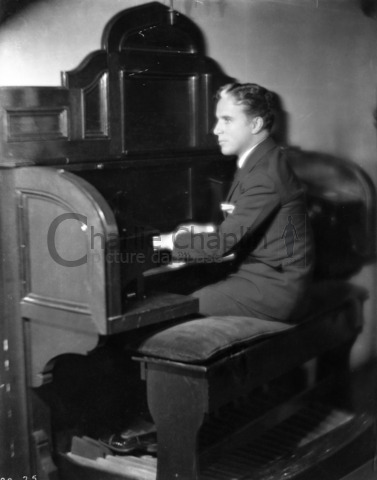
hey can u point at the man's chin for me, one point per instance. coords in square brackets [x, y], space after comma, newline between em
[226, 150]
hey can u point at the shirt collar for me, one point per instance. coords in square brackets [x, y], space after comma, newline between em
[243, 157]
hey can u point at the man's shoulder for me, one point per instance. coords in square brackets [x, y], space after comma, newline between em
[267, 153]
[271, 163]
[273, 171]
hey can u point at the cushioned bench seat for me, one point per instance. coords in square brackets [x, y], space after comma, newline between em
[201, 339]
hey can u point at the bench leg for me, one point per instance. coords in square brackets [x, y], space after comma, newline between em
[177, 404]
[337, 363]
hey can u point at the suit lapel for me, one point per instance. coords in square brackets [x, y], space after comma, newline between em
[250, 163]
[236, 181]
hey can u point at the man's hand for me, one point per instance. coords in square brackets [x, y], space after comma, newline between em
[165, 241]
[194, 229]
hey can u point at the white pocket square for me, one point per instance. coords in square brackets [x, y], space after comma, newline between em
[227, 207]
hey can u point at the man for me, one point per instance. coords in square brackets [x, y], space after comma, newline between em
[265, 196]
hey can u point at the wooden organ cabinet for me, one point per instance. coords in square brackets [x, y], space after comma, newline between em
[89, 172]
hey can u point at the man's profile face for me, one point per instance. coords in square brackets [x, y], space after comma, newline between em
[233, 127]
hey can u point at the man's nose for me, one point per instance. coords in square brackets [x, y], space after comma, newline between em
[217, 129]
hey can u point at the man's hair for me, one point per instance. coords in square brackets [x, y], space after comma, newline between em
[257, 101]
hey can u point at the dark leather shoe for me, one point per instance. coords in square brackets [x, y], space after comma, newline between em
[130, 441]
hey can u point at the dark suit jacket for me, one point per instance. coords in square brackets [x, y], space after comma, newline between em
[268, 231]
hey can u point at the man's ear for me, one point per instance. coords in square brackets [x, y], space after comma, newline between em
[256, 125]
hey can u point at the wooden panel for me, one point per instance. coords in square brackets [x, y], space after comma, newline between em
[159, 112]
[45, 341]
[66, 231]
[37, 124]
[95, 106]
[155, 308]
[52, 253]
[120, 32]
[14, 422]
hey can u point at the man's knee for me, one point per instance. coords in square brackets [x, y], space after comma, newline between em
[208, 301]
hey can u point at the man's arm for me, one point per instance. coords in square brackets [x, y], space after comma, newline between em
[259, 198]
